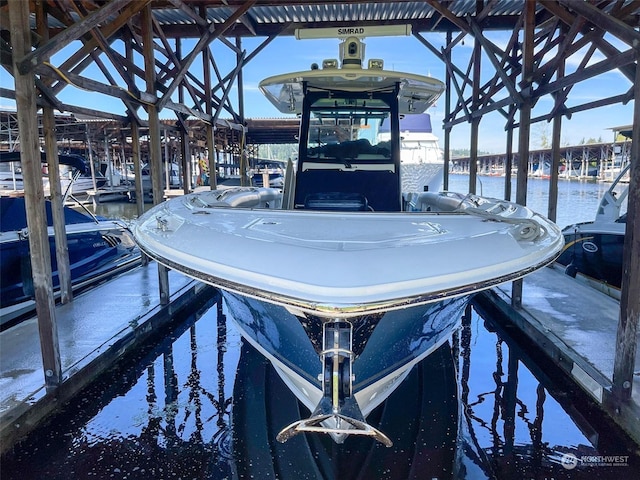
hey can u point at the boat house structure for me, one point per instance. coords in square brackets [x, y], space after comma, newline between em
[134, 53]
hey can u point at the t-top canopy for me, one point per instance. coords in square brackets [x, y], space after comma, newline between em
[416, 92]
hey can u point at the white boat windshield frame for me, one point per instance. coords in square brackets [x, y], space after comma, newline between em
[338, 134]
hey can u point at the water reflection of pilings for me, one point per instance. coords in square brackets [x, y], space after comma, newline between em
[462, 348]
[223, 403]
[171, 420]
[508, 408]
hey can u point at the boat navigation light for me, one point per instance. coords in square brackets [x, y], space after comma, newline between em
[329, 63]
[376, 64]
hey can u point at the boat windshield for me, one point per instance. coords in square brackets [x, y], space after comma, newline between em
[343, 136]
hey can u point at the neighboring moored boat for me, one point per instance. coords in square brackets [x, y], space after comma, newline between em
[594, 249]
[421, 159]
[98, 249]
[75, 177]
[343, 281]
[270, 170]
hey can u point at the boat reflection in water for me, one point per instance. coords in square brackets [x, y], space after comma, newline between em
[421, 415]
[199, 402]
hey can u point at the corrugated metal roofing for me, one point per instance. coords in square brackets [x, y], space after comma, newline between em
[317, 13]
[267, 14]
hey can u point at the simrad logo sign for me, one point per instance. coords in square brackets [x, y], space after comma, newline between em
[571, 461]
[354, 30]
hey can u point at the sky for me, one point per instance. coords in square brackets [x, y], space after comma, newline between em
[407, 54]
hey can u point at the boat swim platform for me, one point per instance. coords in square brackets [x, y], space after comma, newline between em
[575, 325]
[94, 330]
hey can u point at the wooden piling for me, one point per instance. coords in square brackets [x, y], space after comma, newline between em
[155, 153]
[627, 336]
[34, 194]
[524, 132]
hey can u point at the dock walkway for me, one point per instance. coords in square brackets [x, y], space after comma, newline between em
[93, 331]
[576, 326]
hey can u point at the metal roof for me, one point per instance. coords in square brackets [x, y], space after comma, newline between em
[273, 17]
[262, 131]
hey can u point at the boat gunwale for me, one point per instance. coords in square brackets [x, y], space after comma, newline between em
[344, 310]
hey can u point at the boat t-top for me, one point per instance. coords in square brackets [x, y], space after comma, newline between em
[340, 279]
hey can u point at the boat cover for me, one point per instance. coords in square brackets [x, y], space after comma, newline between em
[75, 161]
[13, 214]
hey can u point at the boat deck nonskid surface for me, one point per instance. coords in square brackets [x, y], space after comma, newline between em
[339, 259]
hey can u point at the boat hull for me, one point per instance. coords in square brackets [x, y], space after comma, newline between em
[385, 346]
[594, 252]
[422, 177]
[422, 416]
[97, 250]
[595, 249]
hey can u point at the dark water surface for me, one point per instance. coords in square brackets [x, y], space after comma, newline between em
[199, 403]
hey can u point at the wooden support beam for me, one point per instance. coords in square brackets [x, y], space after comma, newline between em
[476, 58]
[114, 58]
[475, 122]
[446, 13]
[219, 104]
[55, 190]
[214, 32]
[68, 35]
[137, 168]
[76, 62]
[508, 161]
[186, 160]
[155, 151]
[64, 107]
[569, 111]
[225, 95]
[57, 207]
[34, 196]
[90, 84]
[174, 58]
[597, 17]
[240, 82]
[627, 336]
[447, 113]
[524, 132]
[552, 211]
[208, 106]
[491, 51]
[180, 108]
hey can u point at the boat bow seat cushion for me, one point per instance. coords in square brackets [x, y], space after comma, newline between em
[381, 189]
[337, 201]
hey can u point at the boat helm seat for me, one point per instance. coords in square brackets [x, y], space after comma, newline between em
[336, 201]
